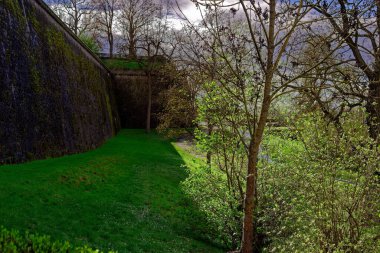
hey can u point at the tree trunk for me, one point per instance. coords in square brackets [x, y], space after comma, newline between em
[249, 237]
[131, 51]
[249, 228]
[76, 22]
[149, 107]
[110, 40]
[132, 42]
[208, 158]
[209, 132]
[373, 108]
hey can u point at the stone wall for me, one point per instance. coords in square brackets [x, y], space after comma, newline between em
[56, 97]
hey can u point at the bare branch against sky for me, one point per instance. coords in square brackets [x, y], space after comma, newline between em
[187, 6]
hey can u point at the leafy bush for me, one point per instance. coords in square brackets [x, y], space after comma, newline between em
[178, 112]
[211, 194]
[319, 193]
[317, 185]
[90, 43]
[218, 187]
[11, 241]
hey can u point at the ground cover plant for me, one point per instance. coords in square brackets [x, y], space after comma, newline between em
[11, 241]
[124, 196]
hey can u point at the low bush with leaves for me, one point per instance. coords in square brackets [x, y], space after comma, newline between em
[11, 241]
[212, 196]
[90, 43]
[217, 185]
[319, 193]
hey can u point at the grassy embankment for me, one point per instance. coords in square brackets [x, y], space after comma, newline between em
[123, 64]
[123, 196]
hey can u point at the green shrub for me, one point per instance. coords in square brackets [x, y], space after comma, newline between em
[11, 241]
[222, 210]
[90, 43]
[317, 185]
[319, 193]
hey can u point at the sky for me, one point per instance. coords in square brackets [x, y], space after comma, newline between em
[190, 10]
[187, 6]
[184, 4]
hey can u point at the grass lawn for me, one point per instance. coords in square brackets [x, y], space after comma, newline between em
[123, 64]
[123, 196]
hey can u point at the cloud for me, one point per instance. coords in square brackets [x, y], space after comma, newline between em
[182, 3]
[193, 13]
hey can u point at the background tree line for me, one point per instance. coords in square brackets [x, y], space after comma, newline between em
[140, 24]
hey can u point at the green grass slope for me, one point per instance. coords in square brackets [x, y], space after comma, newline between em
[123, 196]
[123, 64]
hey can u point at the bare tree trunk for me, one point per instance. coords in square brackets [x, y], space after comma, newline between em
[249, 237]
[110, 40]
[373, 108]
[131, 50]
[208, 157]
[149, 107]
[209, 132]
[249, 230]
[131, 46]
[76, 21]
[373, 105]
[76, 28]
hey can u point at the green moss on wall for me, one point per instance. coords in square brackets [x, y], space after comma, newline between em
[14, 8]
[35, 77]
[58, 45]
[57, 99]
[35, 23]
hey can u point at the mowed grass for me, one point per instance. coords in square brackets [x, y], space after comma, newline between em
[123, 196]
[123, 64]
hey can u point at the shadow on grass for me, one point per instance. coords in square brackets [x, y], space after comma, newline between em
[124, 196]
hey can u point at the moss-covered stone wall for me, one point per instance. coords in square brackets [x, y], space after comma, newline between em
[56, 97]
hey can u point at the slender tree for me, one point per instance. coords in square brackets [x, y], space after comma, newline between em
[105, 19]
[152, 45]
[271, 29]
[135, 15]
[77, 14]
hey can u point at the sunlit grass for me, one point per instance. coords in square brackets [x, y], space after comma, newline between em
[123, 196]
[124, 64]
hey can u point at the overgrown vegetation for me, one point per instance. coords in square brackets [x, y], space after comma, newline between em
[250, 61]
[318, 192]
